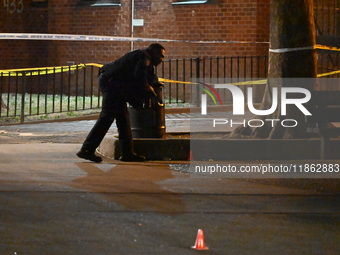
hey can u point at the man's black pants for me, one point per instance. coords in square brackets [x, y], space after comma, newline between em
[113, 108]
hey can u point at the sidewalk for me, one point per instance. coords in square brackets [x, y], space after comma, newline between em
[52, 202]
[75, 130]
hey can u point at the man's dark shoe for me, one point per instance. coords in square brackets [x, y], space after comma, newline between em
[85, 154]
[132, 158]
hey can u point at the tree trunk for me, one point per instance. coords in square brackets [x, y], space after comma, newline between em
[291, 27]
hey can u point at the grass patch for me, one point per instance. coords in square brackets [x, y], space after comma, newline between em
[46, 107]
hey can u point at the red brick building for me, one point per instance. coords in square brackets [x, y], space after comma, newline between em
[184, 20]
[211, 20]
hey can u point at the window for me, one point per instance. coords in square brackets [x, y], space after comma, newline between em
[190, 2]
[99, 3]
[182, 2]
[39, 3]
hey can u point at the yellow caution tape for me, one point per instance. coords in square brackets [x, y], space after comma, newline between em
[328, 74]
[174, 81]
[94, 64]
[324, 47]
[59, 69]
[243, 83]
[40, 70]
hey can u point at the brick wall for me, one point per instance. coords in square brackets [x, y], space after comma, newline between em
[20, 17]
[230, 20]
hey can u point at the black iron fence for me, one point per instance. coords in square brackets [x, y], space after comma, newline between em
[208, 70]
[327, 25]
[43, 91]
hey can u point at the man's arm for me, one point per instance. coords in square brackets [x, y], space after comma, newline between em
[144, 75]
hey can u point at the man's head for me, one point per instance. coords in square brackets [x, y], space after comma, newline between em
[157, 53]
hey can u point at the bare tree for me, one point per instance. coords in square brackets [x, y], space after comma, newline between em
[292, 37]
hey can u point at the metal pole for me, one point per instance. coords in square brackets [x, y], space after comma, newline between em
[132, 18]
[22, 114]
[198, 78]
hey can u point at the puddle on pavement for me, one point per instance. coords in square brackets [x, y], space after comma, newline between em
[135, 187]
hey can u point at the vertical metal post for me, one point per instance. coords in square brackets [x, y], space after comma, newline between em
[3, 105]
[22, 113]
[238, 68]
[38, 100]
[177, 78]
[76, 106]
[191, 77]
[231, 68]
[211, 68]
[8, 93]
[84, 88]
[61, 91]
[46, 91]
[170, 77]
[91, 89]
[30, 93]
[69, 89]
[198, 77]
[53, 94]
[132, 18]
[16, 94]
[218, 67]
[184, 99]
[224, 69]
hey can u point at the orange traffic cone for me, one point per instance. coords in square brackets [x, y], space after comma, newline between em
[200, 243]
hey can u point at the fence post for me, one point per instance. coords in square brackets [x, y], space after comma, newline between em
[22, 113]
[198, 60]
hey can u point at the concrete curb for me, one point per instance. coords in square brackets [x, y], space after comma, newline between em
[228, 150]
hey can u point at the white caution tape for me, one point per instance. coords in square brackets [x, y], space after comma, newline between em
[284, 50]
[71, 37]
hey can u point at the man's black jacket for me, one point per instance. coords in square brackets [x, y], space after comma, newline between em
[130, 77]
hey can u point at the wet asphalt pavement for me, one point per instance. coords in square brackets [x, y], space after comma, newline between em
[52, 202]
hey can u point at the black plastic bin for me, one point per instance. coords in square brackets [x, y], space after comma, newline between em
[149, 122]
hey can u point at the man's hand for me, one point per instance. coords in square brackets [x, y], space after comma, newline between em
[152, 99]
[152, 102]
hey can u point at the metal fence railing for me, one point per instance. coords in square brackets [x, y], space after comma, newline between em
[203, 70]
[65, 89]
[42, 91]
[327, 25]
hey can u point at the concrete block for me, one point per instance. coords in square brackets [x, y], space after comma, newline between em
[223, 149]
